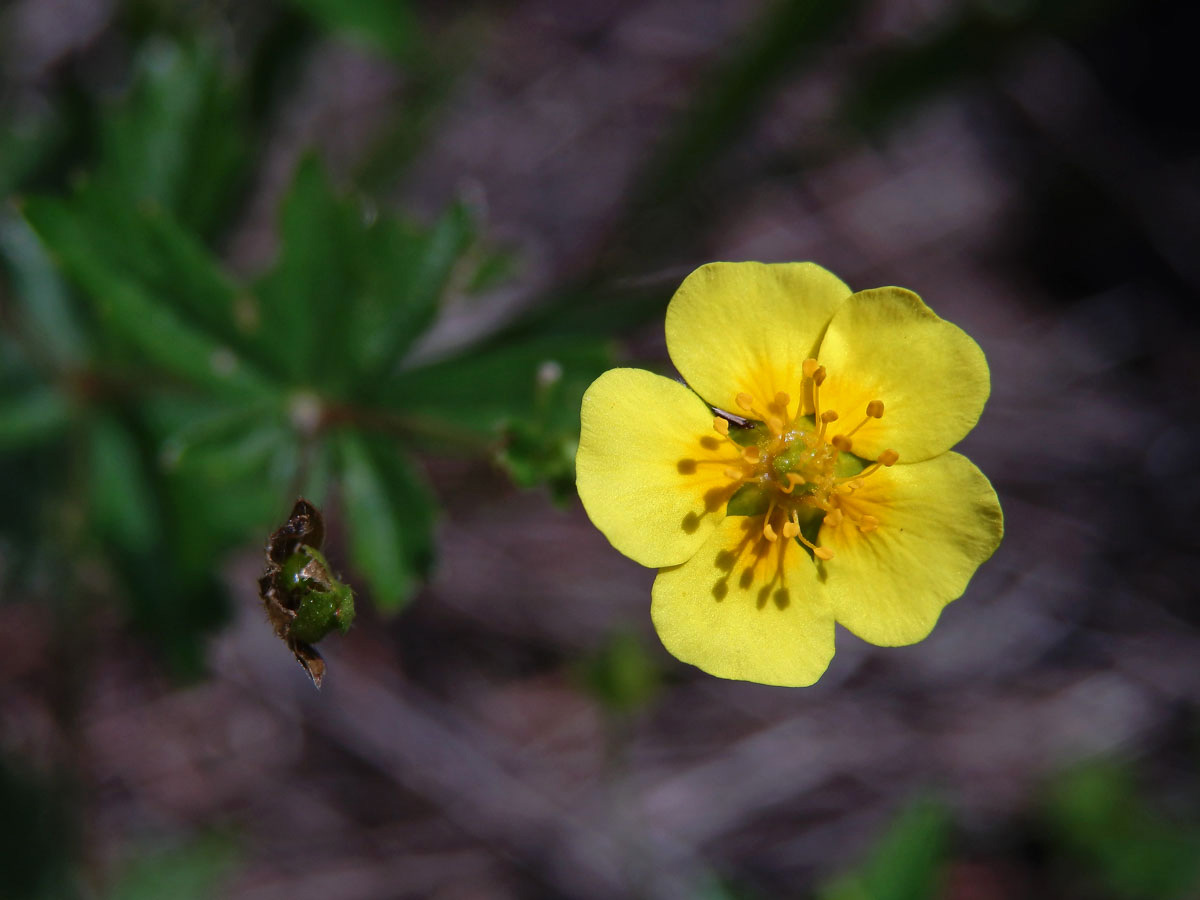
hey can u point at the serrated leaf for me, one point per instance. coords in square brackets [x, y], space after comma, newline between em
[46, 320]
[145, 303]
[177, 143]
[389, 517]
[385, 25]
[408, 270]
[305, 297]
[121, 502]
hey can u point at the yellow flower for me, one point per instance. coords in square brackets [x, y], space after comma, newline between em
[822, 491]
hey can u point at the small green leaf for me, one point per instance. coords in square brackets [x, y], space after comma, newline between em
[622, 675]
[907, 862]
[388, 26]
[1099, 819]
[196, 870]
[33, 417]
[389, 517]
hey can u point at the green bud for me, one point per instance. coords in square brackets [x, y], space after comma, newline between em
[304, 600]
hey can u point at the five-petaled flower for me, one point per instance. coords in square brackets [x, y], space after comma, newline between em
[812, 484]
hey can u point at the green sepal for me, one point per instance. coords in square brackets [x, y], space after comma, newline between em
[323, 603]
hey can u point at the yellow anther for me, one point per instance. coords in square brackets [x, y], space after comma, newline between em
[842, 443]
[810, 366]
[792, 479]
[868, 523]
[822, 553]
[745, 401]
[750, 454]
[875, 409]
[829, 416]
[721, 426]
[888, 457]
[769, 532]
[833, 518]
[775, 424]
[790, 530]
[734, 473]
[818, 376]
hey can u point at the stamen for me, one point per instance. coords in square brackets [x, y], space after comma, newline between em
[792, 479]
[782, 399]
[809, 366]
[721, 426]
[775, 424]
[768, 531]
[735, 473]
[886, 458]
[790, 529]
[841, 443]
[819, 552]
[750, 454]
[874, 411]
[746, 402]
[833, 518]
[825, 418]
[868, 523]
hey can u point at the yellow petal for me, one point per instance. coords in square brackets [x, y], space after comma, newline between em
[746, 608]
[748, 327]
[938, 521]
[886, 344]
[650, 468]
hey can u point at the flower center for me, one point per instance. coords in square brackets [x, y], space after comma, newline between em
[797, 463]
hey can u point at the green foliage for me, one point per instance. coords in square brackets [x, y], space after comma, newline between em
[172, 410]
[195, 870]
[1101, 822]
[622, 674]
[388, 26]
[906, 863]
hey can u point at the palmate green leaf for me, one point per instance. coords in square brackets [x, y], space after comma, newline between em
[305, 298]
[351, 291]
[165, 553]
[408, 269]
[230, 464]
[152, 288]
[390, 516]
[388, 26]
[906, 864]
[482, 390]
[179, 140]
